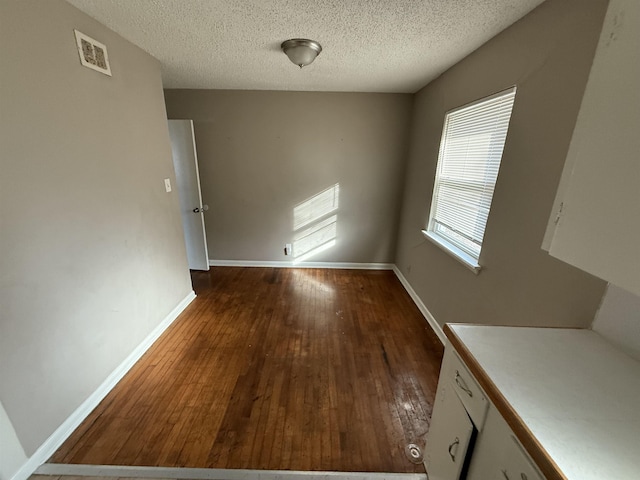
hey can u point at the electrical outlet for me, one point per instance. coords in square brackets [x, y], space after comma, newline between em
[167, 184]
[287, 249]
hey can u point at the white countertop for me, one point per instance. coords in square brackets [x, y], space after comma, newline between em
[577, 394]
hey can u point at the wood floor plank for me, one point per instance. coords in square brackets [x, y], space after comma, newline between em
[280, 369]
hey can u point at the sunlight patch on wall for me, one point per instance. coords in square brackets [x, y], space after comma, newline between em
[313, 240]
[316, 207]
[315, 224]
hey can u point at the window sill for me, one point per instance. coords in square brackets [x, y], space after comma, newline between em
[464, 258]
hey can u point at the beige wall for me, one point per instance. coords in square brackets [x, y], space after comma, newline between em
[263, 153]
[91, 248]
[547, 55]
[618, 320]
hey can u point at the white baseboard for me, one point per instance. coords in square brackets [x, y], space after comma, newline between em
[421, 306]
[285, 264]
[180, 473]
[56, 439]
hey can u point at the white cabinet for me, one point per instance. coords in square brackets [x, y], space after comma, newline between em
[568, 396]
[498, 455]
[595, 224]
[467, 434]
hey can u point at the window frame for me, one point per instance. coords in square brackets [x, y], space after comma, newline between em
[466, 257]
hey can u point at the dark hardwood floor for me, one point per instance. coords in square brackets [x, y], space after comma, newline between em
[284, 369]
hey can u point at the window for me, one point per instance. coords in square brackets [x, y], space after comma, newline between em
[471, 147]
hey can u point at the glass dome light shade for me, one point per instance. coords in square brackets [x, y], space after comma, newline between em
[301, 51]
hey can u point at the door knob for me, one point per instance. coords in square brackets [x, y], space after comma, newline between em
[202, 209]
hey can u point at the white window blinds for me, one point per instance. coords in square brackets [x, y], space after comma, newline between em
[473, 138]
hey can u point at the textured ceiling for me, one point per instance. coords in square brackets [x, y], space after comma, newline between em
[368, 45]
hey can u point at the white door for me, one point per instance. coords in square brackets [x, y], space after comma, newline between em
[185, 163]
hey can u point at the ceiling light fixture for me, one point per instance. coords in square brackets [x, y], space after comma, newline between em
[301, 51]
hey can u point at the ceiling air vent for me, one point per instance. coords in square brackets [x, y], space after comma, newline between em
[93, 54]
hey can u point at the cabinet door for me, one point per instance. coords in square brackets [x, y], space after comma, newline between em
[518, 465]
[448, 437]
[598, 225]
[498, 455]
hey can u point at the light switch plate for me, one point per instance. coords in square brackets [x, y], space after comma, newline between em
[167, 184]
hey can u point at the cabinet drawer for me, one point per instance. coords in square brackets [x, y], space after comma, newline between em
[469, 392]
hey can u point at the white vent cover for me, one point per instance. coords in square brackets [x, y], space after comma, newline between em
[93, 54]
